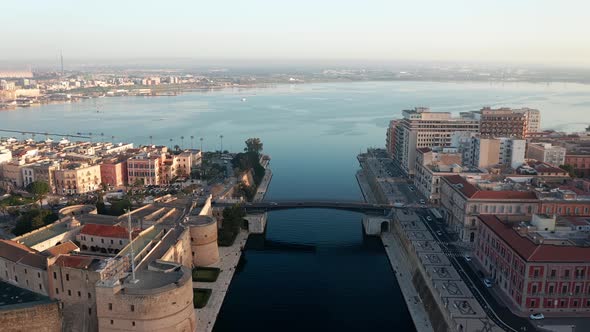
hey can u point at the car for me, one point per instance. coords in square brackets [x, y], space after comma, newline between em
[439, 233]
[429, 218]
[467, 258]
[488, 283]
[537, 316]
[422, 201]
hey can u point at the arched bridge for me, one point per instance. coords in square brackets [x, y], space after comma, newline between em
[382, 209]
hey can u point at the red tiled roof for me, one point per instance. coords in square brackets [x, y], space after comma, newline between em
[531, 251]
[61, 249]
[105, 231]
[76, 262]
[470, 191]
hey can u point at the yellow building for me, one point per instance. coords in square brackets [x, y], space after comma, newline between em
[75, 178]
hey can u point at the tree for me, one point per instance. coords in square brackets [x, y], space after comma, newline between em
[39, 189]
[253, 145]
[570, 169]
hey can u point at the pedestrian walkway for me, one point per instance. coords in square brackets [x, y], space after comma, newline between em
[402, 268]
[228, 260]
[263, 187]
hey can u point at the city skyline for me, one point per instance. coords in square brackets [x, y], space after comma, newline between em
[539, 33]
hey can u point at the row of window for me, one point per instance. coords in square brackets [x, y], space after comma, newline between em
[83, 238]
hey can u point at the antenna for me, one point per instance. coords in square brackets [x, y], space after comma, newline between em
[133, 280]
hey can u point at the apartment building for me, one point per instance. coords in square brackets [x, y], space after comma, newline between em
[462, 202]
[507, 122]
[145, 168]
[540, 264]
[77, 178]
[490, 152]
[547, 153]
[421, 128]
[113, 171]
[432, 164]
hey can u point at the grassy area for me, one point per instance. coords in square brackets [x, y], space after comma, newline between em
[201, 297]
[226, 237]
[205, 274]
[16, 200]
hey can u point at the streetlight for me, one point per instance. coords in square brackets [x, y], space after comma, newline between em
[151, 140]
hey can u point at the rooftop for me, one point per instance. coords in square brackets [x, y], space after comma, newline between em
[43, 234]
[471, 191]
[79, 262]
[153, 281]
[105, 231]
[531, 251]
[11, 295]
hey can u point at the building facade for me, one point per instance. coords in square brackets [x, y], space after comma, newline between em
[547, 153]
[536, 270]
[145, 168]
[421, 128]
[462, 202]
[77, 178]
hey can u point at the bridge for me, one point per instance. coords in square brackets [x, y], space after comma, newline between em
[382, 209]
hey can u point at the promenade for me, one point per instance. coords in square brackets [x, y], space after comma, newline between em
[403, 273]
[228, 260]
[263, 187]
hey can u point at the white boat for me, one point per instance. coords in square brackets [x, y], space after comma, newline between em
[243, 99]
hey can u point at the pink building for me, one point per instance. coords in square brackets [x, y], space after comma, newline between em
[113, 171]
[539, 266]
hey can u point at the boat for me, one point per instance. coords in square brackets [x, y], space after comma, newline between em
[243, 99]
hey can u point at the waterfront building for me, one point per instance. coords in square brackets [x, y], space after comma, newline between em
[77, 178]
[432, 164]
[421, 128]
[488, 152]
[390, 138]
[507, 122]
[539, 263]
[547, 153]
[463, 201]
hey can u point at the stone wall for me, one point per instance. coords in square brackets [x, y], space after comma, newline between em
[41, 317]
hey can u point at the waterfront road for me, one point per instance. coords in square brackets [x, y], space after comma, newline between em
[456, 254]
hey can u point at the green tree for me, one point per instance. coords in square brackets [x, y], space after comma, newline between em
[39, 189]
[570, 169]
[33, 219]
[253, 145]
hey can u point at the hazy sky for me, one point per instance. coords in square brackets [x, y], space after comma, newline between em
[525, 31]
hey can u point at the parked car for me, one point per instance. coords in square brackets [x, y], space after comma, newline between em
[537, 316]
[422, 201]
[429, 218]
[467, 258]
[488, 283]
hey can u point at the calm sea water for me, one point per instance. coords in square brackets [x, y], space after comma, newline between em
[313, 270]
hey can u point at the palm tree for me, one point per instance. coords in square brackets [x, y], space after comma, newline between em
[182, 142]
[151, 140]
[113, 138]
[192, 138]
[102, 137]
[201, 139]
[221, 139]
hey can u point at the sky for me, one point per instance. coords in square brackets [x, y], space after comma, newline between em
[500, 31]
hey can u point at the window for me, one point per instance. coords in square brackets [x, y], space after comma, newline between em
[112, 322]
[564, 289]
[16, 278]
[112, 241]
[67, 277]
[110, 306]
[121, 242]
[25, 271]
[38, 274]
[133, 323]
[57, 291]
[79, 294]
[132, 308]
[40, 287]
[90, 311]
[89, 295]
[54, 275]
[101, 240]
[69, 292]
[551, 289]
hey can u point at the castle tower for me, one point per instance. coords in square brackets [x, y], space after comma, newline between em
[203, 232]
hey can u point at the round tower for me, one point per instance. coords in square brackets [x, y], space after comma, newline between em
[203, 231]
